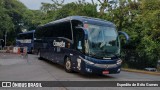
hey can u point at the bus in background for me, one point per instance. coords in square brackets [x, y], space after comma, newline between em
[1, 44]
[81, 44]
[26, 39]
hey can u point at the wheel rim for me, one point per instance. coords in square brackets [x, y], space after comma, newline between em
[68, 65]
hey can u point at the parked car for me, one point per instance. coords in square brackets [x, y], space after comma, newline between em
[151, 69]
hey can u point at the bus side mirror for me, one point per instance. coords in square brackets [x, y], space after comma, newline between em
[125, 34]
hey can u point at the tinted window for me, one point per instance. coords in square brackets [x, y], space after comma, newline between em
[25, 36]
[56, 30]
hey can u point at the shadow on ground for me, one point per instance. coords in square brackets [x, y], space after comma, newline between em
[84, 76]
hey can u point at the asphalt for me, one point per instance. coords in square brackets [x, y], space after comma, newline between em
[14, 67]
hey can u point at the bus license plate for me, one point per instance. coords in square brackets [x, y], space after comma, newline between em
[105, 72]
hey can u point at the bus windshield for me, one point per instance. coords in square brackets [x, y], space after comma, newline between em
[103, 41]
[25, 36]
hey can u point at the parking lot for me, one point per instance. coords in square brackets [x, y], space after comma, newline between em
[14, 67]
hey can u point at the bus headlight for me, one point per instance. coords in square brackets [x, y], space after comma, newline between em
[88, 62]
[119, 62]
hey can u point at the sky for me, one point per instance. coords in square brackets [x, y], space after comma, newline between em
[36, 4]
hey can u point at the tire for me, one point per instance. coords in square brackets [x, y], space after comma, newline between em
[68, 65]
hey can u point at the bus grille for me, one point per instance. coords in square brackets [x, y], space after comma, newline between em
[106, 65]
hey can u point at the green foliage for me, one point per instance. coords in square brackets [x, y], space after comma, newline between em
[15, 17]
[146, 25]
[80, 8]
[6, 23]
[141, 21]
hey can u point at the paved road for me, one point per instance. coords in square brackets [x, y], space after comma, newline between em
[17, 68]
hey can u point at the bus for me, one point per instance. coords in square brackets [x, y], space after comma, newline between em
[26, 39]
[81, 44]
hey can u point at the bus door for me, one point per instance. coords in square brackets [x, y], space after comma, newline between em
[78, 44]
[79, 40]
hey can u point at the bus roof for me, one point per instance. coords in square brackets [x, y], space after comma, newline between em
[81, 19]
[27, 32]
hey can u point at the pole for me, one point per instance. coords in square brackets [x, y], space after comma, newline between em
[5, 37]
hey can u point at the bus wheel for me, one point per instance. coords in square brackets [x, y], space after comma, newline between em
[68, 65]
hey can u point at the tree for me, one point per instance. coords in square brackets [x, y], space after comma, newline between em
[63, 10]
[140, 19]
[150, 42]
[6, 23]
[52, 7]
[14, 17]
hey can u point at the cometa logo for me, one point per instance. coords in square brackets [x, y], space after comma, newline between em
[59, 44]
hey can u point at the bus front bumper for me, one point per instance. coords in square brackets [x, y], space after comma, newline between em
[102, 69]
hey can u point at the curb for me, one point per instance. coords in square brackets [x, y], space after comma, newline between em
[141, 71]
